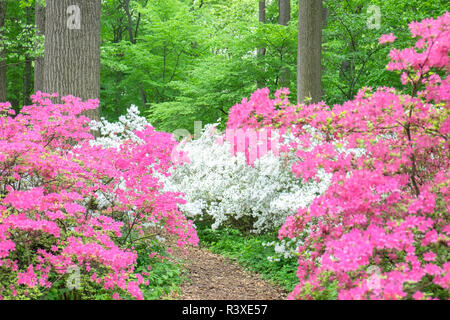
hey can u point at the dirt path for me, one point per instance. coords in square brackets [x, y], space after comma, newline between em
[214, 277]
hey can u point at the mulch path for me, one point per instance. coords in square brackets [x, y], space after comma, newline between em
[214, 277]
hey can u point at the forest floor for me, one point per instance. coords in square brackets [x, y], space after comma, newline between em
[214, 277]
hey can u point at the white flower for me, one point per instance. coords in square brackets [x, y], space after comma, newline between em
[220, 185]
[113, 134]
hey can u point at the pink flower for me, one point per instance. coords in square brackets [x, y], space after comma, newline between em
[373, 205]
[386, 38]
[29, 277]
[418, 295]
[429, 256]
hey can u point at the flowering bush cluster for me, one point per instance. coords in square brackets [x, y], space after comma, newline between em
[51, 222]
[113, 134]
[381, 230]
[216, 181]
[219, 185]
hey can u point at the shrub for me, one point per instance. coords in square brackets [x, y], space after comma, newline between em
[53, 228]
[221, 188]
[114, 134]
[381, 230]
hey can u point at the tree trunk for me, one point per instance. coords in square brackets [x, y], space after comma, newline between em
[126, 7]
[284, 16]
[309, 73]
[325, 14]
[3, 7]
[39, 61]
[284, 12]
[27, 74]
[72, 49]
[261, 51]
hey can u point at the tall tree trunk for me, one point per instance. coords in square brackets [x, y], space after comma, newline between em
[284, 16]
[284, 12]
[72, 49]
[309, 73]
[261, 51]
[325, 14]
[27, 74]
[39, 61]
[3, 7]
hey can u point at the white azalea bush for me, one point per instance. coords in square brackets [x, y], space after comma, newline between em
[112, 134]
[284, 248]
[222, 187]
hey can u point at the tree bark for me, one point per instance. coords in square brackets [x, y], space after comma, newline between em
[72, 52]
[39, 61]
[3, 84]
[284, 16]
[309, 73]
[262, 11]
[284, 12]
[261, 51]
[27, 74]
[325, 14]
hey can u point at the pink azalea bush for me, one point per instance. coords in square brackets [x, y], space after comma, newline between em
[381, 230]
[51, 179]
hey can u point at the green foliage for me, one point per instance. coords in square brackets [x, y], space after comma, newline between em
[192, 61]
[352, 57]
[165, 275]
[165, 39]
[230, 68]
[249, 252]
[88, 291]
[22, 46]
[329, 289]
[182, 61]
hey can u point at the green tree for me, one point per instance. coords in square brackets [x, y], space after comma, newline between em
[352, 56]
[230, 64]
[21, 46]
[160, 43]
